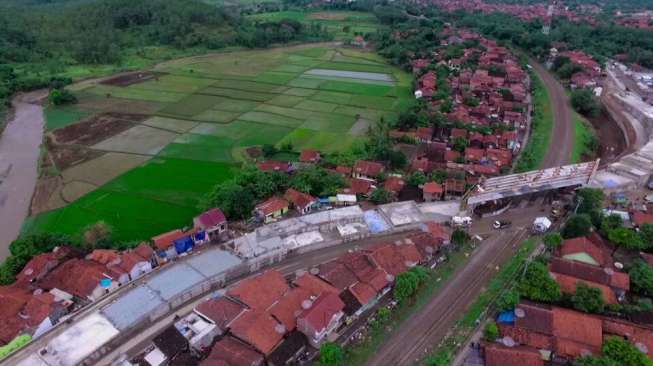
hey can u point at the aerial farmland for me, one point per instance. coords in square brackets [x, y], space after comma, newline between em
[141, 149]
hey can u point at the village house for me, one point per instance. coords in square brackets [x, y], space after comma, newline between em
[368, 170]
[309, 156]
[302, 202]
[272, 209]
[394, 185]
[432, 191]
[213, 222]
[40, 265]
[321, 319]
[274, 166]
[86, 280]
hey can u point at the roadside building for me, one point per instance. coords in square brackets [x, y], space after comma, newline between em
[164, 243]
[86, 280]
[213, 222]
[230, 351]
[321, 319]
[302, 202]
[259, 329]
[309, 156]
[432, 191]
[274, 166]
[271, 209]
[220, 311]
[40, 265]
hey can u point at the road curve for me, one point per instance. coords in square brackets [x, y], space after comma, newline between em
[562, 136]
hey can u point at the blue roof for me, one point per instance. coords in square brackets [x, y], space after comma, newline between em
[506, 317]
[375, 222]
[132, 307]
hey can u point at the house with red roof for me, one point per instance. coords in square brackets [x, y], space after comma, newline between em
[302, 202]
[309, 156]
[584, 250]
[213, 222]
[221, 312]
[369, 170]
[499, 355]
[432, 191]
[394, 185]
[86, 280]
[286, 308]
[321, 319]
[164, 243]
[274, 166]
[500, 157]
[640, 218]
[358, 186]
[441, 233]
[259, 292]
[230, 351]
[451, 156]
[259, 329]
[40, 265]
[424, 134]
[337, 274]
[474, 155]
[271, 209]
[314, 285]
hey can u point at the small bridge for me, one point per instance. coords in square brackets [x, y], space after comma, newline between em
[514, 185]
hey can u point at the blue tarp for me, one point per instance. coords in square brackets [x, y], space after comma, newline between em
[184, 244]
[375, 223]
[325, 201]
[200, 236]
[506, 317]
[105, 283]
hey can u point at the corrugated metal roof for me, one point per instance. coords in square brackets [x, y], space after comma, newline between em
[175, 280]
[213, 262]
[132, 307]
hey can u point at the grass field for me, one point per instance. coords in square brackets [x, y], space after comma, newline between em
[541, 130]
[584, 137]
[203, 112]
[335, 21]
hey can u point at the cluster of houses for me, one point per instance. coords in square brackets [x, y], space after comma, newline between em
[269, 318]
[54, 284]
[525, 12]
[589, 75]
[642, 20]
[536, 334]
[492, 78]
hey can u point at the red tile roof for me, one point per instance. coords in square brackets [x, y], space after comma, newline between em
[433, 188]
[144, 251]
[360, 186]
[230, 351]
[368, 168]
[220, 311]
[324, 308]
[387, 257]
[537, 318]
[104, 256]
[577, 327]
[426, 244]
[409, 253]
[37, 267]
[526, 337]
[314, 284]
[451, 155]
[39, 307]
[75, 276]
[458, 132]
[299, 199]
[272, 165]
[261, 291]
[287, 308]
[130, 259]
[166, 240]
[309, 156]
[378, 279]
[474, 154]
[211, 218]
[438, 231]
[591, 273]
[584, 245]
[498, 355]
[641, 218]
[337, 274]
[424, 133]
[363, 292]
[393, 184]
[501, 157]
[568, 285]
[272, 205]
[259, 329]
[346, 170]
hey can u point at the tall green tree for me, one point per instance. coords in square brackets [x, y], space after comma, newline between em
[537, 284]
[588, 299]
[576, 226]
[331, 354]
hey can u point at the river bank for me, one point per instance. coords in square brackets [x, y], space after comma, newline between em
[19, 154]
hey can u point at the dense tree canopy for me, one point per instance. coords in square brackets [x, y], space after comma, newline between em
[537, 285]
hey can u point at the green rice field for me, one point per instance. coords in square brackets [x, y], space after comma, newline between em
[203, 112]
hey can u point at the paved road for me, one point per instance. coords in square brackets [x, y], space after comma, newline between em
[562, 138]
[19, 155]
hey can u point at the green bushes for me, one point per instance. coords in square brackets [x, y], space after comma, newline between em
[407, 283]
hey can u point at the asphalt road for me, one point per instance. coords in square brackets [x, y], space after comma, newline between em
[562, 137]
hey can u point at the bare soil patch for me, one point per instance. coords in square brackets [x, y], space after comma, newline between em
[45, 189]
[74, 190]
[132, 78]
[102, 169]
[612, 142]
[139, 139]
[96, 128]
[65, 157]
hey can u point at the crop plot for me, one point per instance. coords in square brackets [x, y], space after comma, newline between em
[161, 142]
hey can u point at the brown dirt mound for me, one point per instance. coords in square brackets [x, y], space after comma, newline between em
[96, 128]
[612, 142]
[132, 78]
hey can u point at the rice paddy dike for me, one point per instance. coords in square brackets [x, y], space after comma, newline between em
[140, 150]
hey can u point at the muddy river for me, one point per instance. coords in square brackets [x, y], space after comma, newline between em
[19, 153]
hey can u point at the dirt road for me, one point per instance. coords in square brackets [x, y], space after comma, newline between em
[562, 137]
[19, 154]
